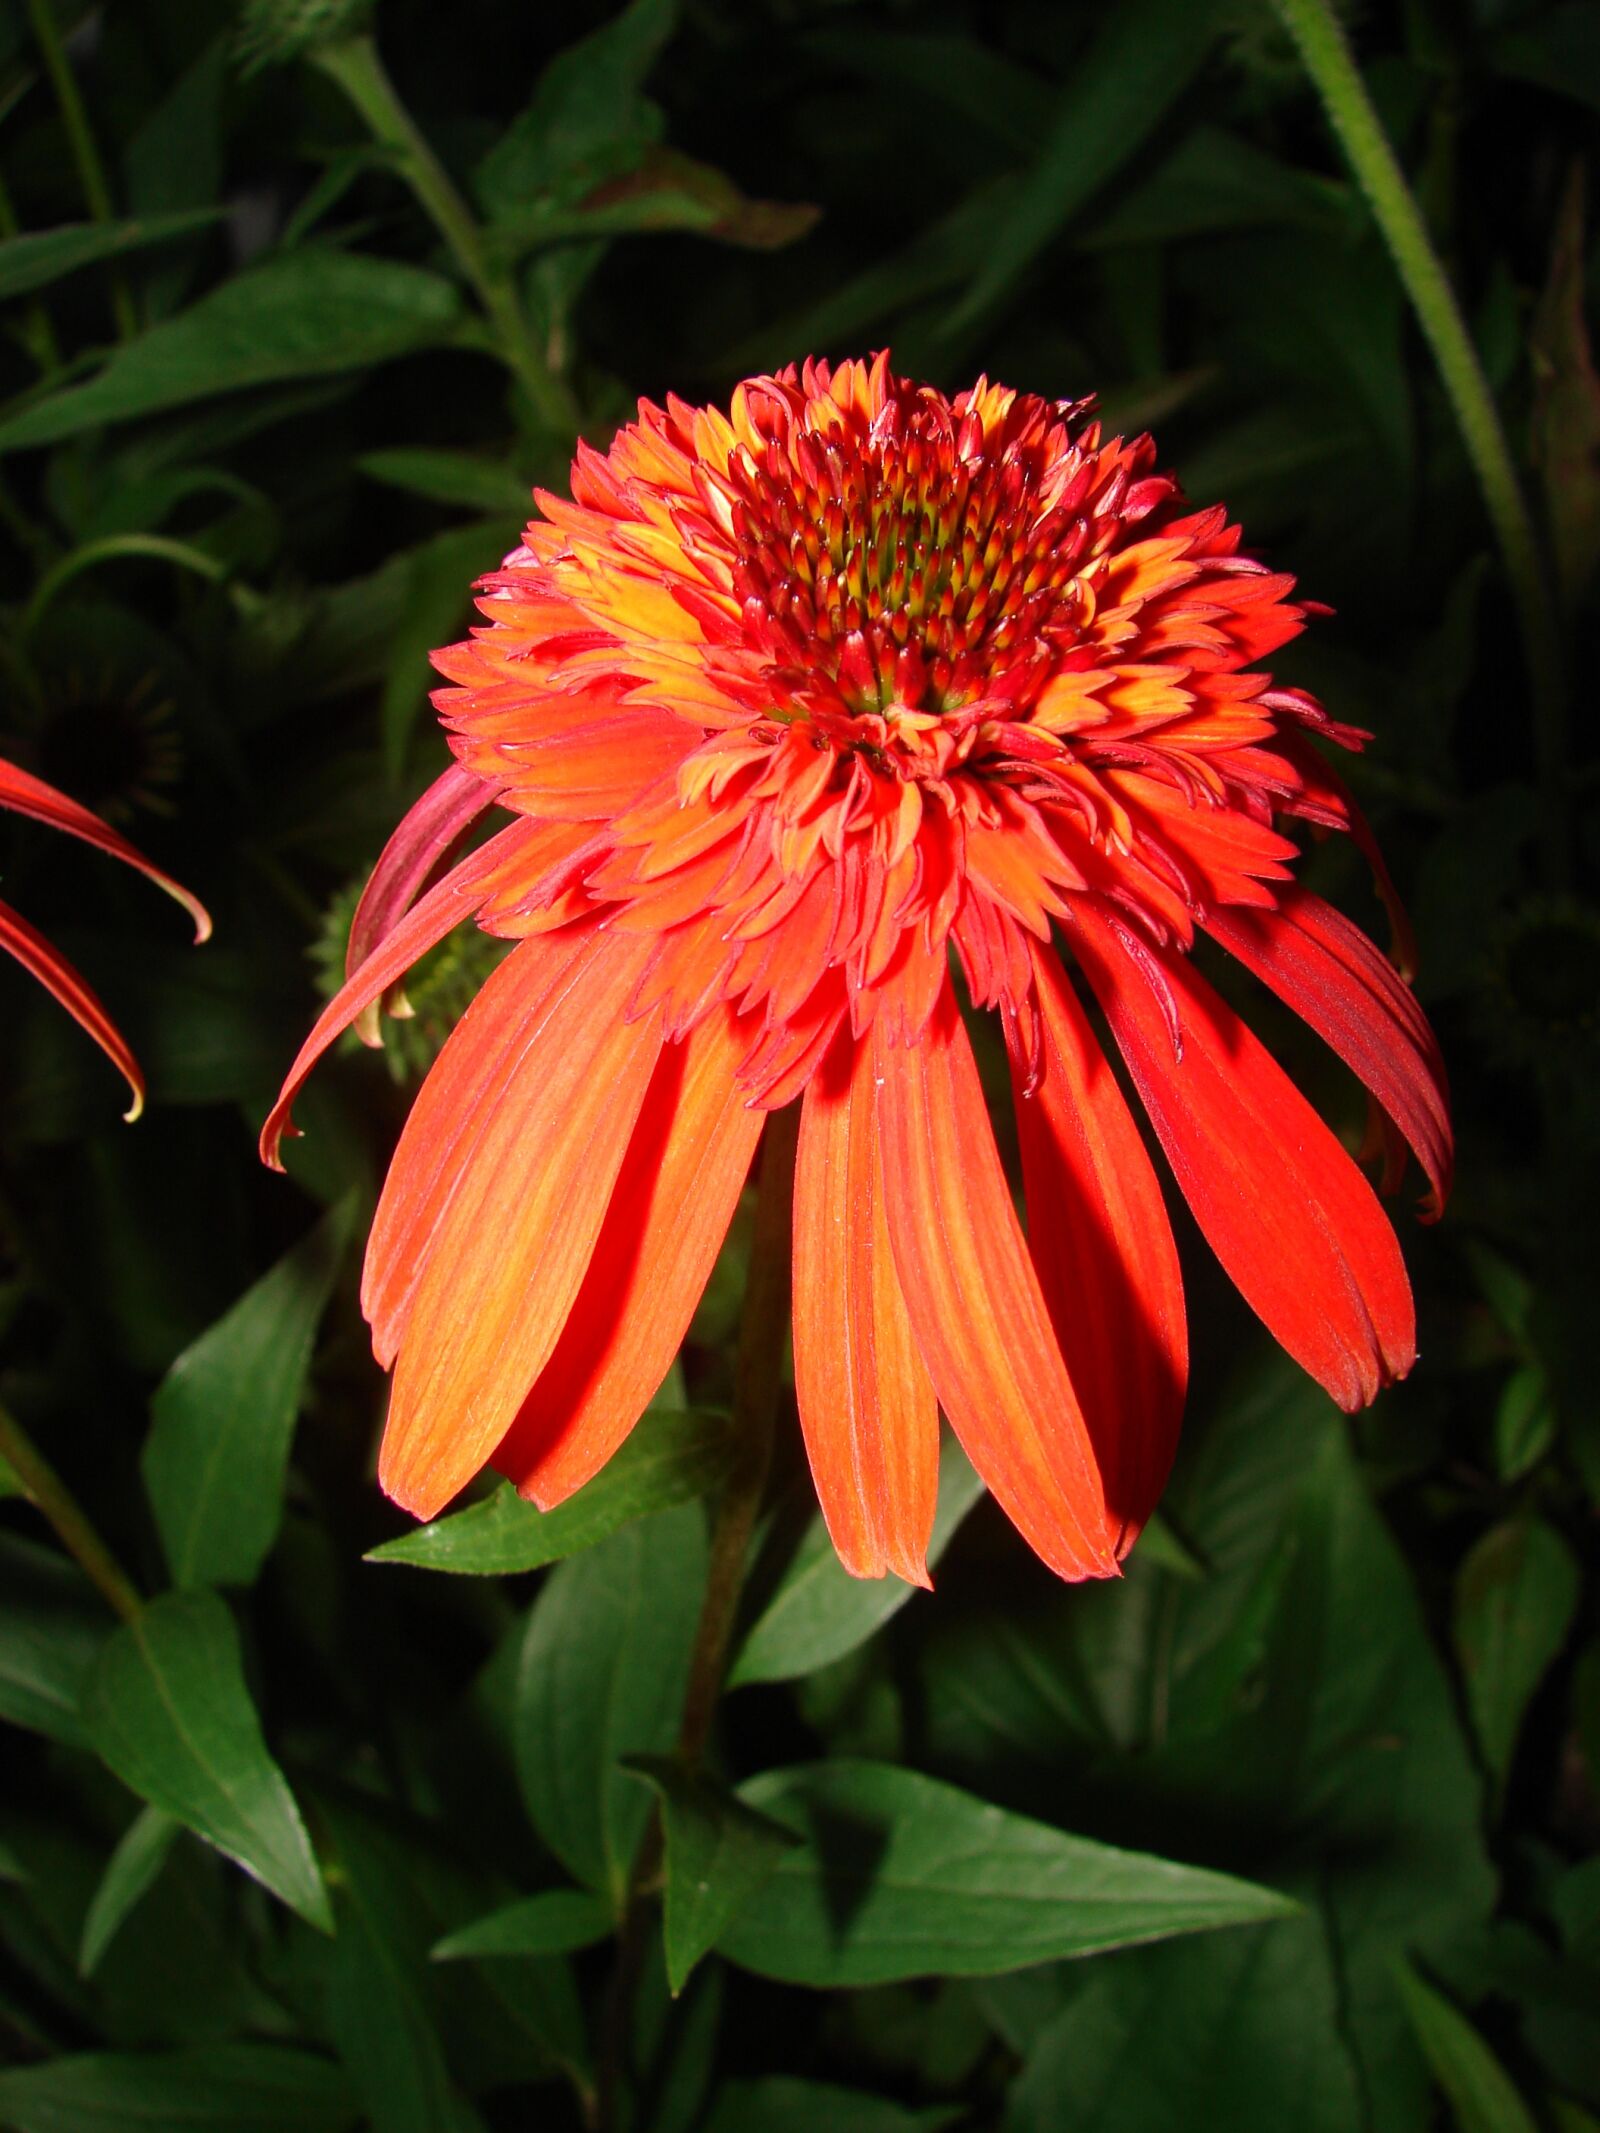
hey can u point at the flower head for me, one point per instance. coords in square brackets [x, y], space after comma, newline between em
[25, 794]
[798, 709]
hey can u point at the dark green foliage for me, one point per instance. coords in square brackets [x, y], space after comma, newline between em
[1292, 1826]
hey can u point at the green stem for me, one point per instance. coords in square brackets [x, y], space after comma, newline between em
[51, 1497]
[1328, 60]
[110, 548]
[757, 1382]
[355, 65]
[91, 172]
[39, 335]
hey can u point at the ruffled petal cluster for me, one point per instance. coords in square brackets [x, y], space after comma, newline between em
[813, 720]
[24, 794]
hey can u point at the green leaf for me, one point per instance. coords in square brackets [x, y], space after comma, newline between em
[133, 1866]
[819, 1612]
[779, 2104]
[210, 2088]
[167, 1709]
[587, 120]
[604, 1663]
[39, 257]
[1524, 1422]
[449, 478]
[1117, 94]
[1240, 2030]
[551, 1923]
[1482, 2096]
[218, 1450]
[1515, 1598]
[719, 1854]
[52, 1623]
[670, 1458]
[305, 314]
[381, 2023]
[901, 1876]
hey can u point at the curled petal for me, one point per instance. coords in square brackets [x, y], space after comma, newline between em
[81, 1002]
[25, 794]
[426, 833]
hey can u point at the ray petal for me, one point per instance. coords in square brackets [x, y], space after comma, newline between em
[1100, 1238]
[75, 994]
[975, 1303]
[866, 1402]
[680, 1182]
[1282, 1205]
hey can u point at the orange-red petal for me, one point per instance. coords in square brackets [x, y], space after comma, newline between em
[512, 1246]
[1100, 1238]
[75, 994]
[975, 1303]
[679, 1185]
[866, 1402]
[1335, 979]
[1282, 1205]
[24, 794]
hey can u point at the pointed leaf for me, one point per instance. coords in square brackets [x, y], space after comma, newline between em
[551, 1923]
[901, 1876]
[39, 257]
[605, 1660]
[719, 1853]
[303, 314]
[52, 1622]
[1515, 1597]
[132, 1867]
[669, 1459]
[167, 1709]
[216, 1456]
[210, 2088]
[1482, 2096]
[819, 1612]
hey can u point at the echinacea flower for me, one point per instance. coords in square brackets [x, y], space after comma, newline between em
[25, 794]
[787, 704]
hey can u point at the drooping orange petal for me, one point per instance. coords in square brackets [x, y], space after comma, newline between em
[25, 794]
[1332, 976]
[974, 1299]
[678, 1188]
[446, 904]
[463, 1089]
[75, 994]
[1282, 1205]
[422, 840]
[1100, 1238]
[515, 1241]
[866, 1402]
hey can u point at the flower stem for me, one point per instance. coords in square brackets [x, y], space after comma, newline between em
[758, 1378]
[91, 172]
[51, 1497]
[1325, 50]
[355, 65]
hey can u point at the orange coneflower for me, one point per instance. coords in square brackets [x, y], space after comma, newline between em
[787, 703]
[25, 794]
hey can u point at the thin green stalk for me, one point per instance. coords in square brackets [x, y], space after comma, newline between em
[110, 548]
[1325, 50]
[91, 172]
[758, 1379]
[51, 1497]
[39, 334]
[355, 65]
